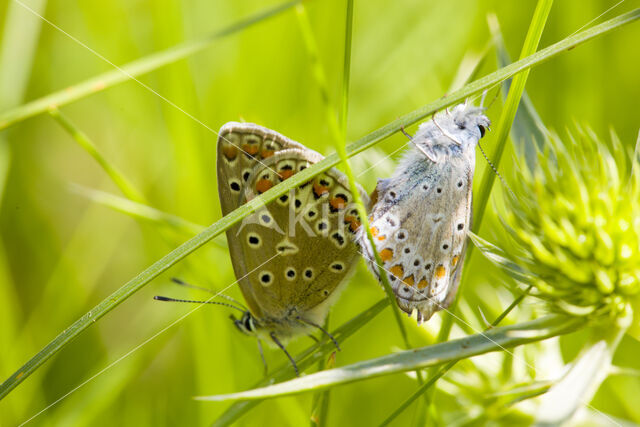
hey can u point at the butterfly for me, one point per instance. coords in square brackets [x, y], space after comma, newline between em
[420, 216]
[292, 256]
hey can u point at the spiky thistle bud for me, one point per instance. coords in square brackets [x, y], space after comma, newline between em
[575, 217]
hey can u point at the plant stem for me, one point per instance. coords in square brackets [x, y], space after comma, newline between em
[131, 70]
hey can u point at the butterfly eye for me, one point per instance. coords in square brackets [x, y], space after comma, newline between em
[248, 322]
[482, 130]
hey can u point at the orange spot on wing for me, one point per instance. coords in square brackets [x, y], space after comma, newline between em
[319, 189]
[455, 260]
[382, 237]
[386, 254]
[263, 185]
[353, 222]
[408, 280]
[337, 203]
[397, 270]
[229, 151]
[250, 149]
[266, 153]
[374, 231]
[286, 174]
[422, 284]
[440, 272]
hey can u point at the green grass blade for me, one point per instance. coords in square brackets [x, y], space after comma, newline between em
[527, 131]
[511, 105]
[133, 69]
[493, 340]
[338, 129]
[83, 140]
[504, 125]
[532, 39]
[142, 211]
[298, 179]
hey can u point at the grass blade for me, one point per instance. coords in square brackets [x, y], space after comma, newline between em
[83, 140]
[133, 69]
[504, 125]
[298, 179]
[511, 104]
[527, 130]
[494, 340]
[142, 211]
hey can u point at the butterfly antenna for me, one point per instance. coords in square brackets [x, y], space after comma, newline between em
[279, 344]
[169, 299]
[324, 331]
[495, 170]
[202, 288]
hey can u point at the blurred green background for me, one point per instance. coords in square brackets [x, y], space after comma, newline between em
[61, 253]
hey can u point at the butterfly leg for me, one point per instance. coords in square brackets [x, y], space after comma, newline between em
[279, 344]
[324, 331]
[405, 133]
[264, 361]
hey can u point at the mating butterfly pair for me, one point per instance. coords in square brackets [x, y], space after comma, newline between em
[291, 257]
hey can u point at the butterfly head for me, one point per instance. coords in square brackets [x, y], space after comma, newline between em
[246, 324]
[470, 120]
[462, 126]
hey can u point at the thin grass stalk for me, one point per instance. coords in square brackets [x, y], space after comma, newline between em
[133, 69]
[142, 211]
[352, 149]
[338, 127]
[83, 140]
[530, 46]
[504, 125]
[339, 131]
[494, 340]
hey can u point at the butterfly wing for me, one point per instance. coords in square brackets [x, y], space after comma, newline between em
[240, 147]
[291, 256]
[420, 224]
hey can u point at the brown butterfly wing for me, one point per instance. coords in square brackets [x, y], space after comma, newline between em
[240, 147]
[299, 248]
[291, 256]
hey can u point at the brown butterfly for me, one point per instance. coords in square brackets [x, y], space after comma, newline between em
[291, 257]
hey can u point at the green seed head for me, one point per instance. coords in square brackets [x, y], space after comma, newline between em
[576, 219]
